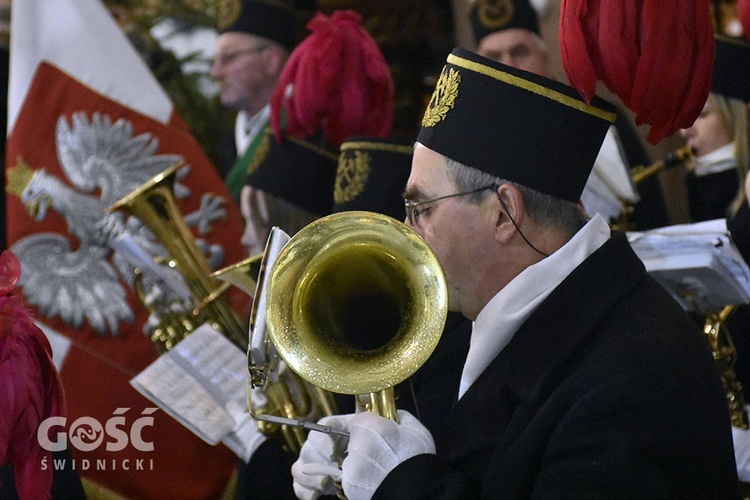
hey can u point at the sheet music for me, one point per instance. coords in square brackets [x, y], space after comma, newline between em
[202, 383]
[697, 263]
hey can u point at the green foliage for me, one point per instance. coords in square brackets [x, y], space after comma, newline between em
[207, 119]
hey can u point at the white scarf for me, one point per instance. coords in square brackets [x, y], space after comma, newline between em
[503, 315]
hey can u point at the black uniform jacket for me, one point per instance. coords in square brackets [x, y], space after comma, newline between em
[608, 390]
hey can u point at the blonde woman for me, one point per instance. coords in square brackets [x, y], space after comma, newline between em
[719, 138]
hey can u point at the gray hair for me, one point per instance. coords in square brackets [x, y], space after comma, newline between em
[544, 209]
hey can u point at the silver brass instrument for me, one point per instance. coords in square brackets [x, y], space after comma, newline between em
[356, 303]
[155, 205]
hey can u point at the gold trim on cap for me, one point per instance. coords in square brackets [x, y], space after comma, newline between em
[312, 147]
[377, 146]
[531, 87]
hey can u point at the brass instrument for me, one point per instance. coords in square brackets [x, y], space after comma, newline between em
[356, 303]
[725, 356]
[672, 159]
[155, 205]
[289, 396]
[174, 323]
[642, 172]
[242, 274]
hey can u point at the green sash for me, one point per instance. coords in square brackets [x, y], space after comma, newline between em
[238, 173]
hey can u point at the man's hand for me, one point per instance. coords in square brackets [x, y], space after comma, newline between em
[376, 446]
[318, 467]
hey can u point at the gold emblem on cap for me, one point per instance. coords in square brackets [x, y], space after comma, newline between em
[351, 176]
[443, 99]
[260, 154]
[494, 14]
[227, 12]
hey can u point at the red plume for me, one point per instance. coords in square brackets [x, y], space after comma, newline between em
[339, 81]
[30, 392]
[655, 55]
[743, 12]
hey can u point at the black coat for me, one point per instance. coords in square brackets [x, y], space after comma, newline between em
[608, 390]
[709, 196]
[432, 390]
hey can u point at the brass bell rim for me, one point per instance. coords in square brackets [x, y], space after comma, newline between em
[349, 370]
[156, 181]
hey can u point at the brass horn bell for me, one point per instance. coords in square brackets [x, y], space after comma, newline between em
[356, 303]
[155, 205]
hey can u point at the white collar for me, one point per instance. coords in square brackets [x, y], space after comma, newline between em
[503, 315]
[246, 127]
[716, 161]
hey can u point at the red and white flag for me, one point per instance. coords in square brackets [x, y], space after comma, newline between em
[87, 124]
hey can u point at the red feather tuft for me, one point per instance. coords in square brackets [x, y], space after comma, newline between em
[575, 56]
[30, 393]
[336, 80]
[617, 52]
[655, 55]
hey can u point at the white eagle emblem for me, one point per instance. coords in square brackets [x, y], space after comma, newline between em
[97, 157]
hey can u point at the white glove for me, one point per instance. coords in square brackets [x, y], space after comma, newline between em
[376, 446]
[317, 468]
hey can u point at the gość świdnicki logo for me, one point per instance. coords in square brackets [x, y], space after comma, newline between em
[87, 434]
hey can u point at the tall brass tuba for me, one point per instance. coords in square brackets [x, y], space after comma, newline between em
[155, 205]
[356, 303]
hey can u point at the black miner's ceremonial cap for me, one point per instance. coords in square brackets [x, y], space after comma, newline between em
[516, 125]
[298, 171]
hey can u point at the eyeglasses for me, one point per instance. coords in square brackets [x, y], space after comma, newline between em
[412, 212]
[224, 59]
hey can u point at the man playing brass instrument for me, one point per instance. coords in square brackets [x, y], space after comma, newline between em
[583, 378]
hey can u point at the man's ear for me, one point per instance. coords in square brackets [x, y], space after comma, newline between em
[276, 60]
[510, 208]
